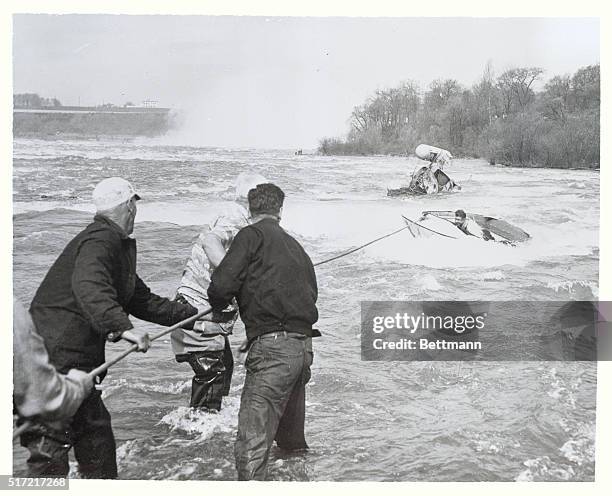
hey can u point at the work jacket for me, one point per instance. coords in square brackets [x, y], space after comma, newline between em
[272, 278]
[89, 292]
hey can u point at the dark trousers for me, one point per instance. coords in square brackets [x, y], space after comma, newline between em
[213, 376]
[272, 405]
[91, 435]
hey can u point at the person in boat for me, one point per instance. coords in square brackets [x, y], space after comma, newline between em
[275, 284]
[84, 301]
[206, 347]
[470, 227]
[39, 390]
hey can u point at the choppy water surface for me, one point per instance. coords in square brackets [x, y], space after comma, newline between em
[365, 420]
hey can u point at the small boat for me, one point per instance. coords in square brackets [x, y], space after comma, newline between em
[441, 223]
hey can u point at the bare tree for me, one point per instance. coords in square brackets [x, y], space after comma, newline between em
[556, 99]
[516, 87]
[586, 87]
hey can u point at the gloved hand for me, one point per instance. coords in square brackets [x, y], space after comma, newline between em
[226, 315]
[82, 379]
[222, 317]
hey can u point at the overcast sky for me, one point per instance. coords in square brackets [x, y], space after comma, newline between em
[275, 82]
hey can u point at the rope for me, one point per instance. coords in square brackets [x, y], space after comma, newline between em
[428, 229]
[377, 239]
[360, 247]
[105, 366]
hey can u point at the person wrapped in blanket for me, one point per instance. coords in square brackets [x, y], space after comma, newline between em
[206, 348]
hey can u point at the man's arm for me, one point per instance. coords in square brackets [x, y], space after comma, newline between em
[39, 390]
[228, 277]
[222, 233]
[148, 306]
[313, 278]
[213, 247]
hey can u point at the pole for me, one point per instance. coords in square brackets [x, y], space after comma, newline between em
[105, 366]
[22, 428]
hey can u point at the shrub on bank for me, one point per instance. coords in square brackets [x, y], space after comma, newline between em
[502, 120]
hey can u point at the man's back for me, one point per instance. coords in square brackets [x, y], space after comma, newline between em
[272, 277]
[68, 331]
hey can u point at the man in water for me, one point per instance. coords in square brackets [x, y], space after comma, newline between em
[470, 227]
[84, 301]
[206, 347]
[274, 281]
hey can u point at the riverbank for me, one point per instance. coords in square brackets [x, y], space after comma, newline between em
[88, 122]
[341, 149]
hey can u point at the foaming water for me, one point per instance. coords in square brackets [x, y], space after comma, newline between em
[365, 420]
[204, 423]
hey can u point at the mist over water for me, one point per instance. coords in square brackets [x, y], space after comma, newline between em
[365, 420]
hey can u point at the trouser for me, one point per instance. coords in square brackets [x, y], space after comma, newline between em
[89, 432]
[272, 405]
[213, 376]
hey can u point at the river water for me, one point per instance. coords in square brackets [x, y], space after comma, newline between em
[378, 421]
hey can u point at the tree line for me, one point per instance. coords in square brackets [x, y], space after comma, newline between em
[503, 119]
[33, 100]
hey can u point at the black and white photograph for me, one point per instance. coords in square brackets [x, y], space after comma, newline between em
[304, 248]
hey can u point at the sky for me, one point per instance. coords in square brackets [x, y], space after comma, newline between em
[275, 82]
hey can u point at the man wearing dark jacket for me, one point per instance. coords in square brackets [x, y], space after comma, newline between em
[274, 282]
[83, 302]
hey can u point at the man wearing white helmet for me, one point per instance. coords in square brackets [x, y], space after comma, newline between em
[206, 348]
[84, 301]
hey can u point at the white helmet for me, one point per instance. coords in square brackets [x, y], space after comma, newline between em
[245, 182]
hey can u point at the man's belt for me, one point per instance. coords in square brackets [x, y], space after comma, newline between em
[275, 334]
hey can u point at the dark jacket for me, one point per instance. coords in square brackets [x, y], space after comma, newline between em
[88, 293]
[272, 278]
